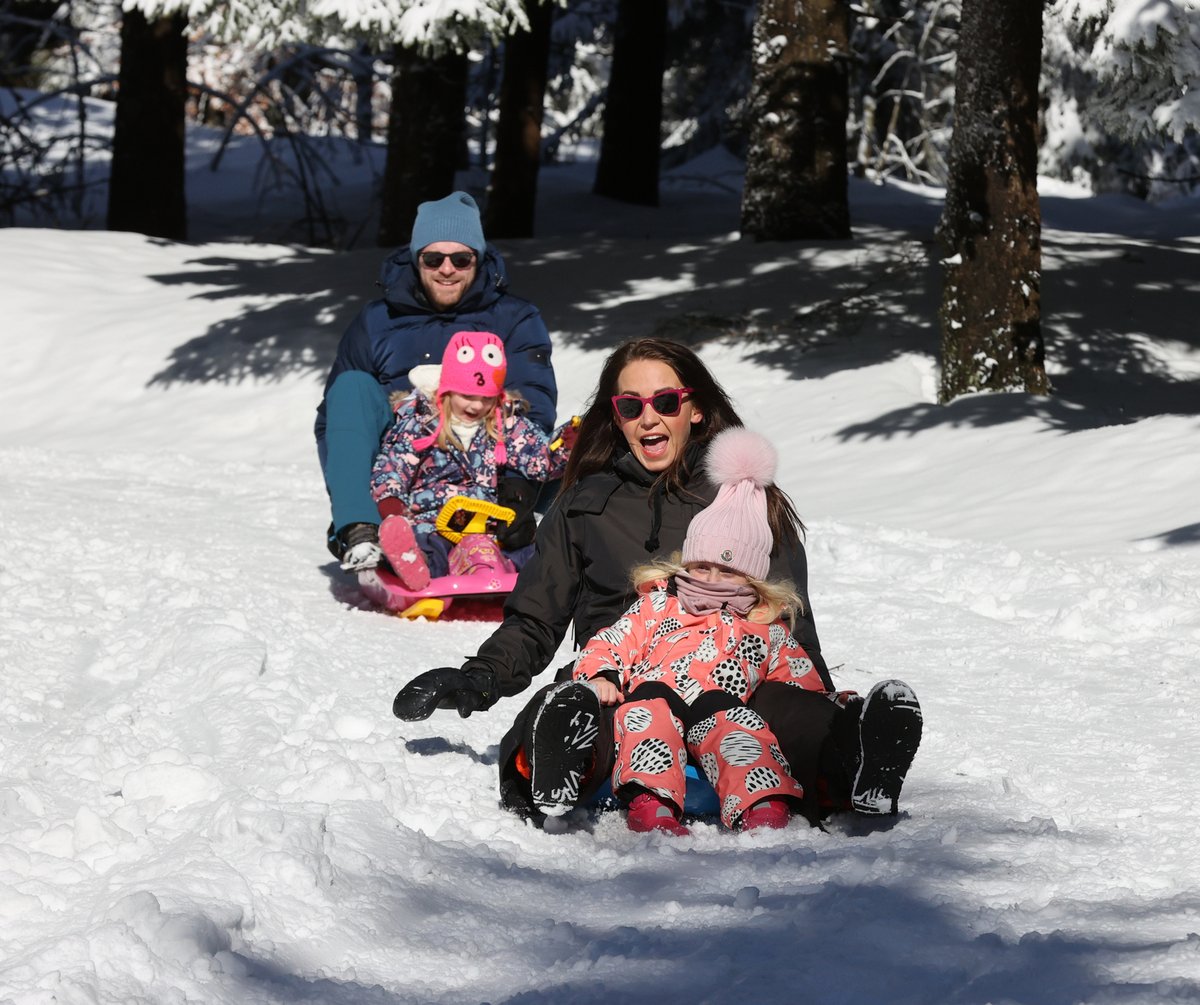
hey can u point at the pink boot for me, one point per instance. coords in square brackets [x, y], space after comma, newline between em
[477, 553]
[647, 812]
[401, 550]
[771, 813]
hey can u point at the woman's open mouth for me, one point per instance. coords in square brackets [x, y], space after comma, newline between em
[654, 446]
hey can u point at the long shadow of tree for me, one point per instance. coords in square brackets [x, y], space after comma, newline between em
[827, 937]
[808, 309]
[299, 307]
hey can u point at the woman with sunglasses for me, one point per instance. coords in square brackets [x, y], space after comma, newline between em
[633, 484]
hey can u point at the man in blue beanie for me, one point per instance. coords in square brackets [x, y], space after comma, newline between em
[448, 279]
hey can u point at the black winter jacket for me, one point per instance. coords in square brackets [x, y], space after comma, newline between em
[586, 547]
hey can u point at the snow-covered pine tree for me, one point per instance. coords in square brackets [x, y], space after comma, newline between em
[991, 222]
[146, 177]
[431, 39]
[1149, 59]
[796, 184]
[632, 140]
[1121, 98]
[512, 195]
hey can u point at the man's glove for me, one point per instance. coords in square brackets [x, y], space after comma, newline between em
[470, 690]
[362, 557]
[519, 495]
[357, 547]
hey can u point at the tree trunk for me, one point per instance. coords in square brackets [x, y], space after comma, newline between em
[146, 181]
[511, 201]
[632, 141]
[991, 223]
[796, 184]
[425, 128]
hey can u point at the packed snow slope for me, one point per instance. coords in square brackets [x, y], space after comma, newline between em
[205, 799]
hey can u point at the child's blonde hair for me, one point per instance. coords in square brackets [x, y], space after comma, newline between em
[776, 599]
[514, 404]
[446, 436]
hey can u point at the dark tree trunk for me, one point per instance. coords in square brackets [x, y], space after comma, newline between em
[425, 129]
[511, 201]
[991, 223]
[796, 184]
[632, 141]
[146, 186]
[364, 92]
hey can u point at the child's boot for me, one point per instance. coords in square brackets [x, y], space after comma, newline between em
[772, 813]
[889, 730]
[477, 553]
[648, 812]
[403, 554]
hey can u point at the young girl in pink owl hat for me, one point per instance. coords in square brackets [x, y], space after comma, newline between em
[453, 436]
[470, 390]
[705, 632]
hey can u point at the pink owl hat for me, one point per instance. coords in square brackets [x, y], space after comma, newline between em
[733, 530]
[474, 364]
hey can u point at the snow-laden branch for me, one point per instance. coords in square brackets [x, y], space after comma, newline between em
[1147, 55]
[428, 25]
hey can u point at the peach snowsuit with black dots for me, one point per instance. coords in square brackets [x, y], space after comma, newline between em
[686, 657]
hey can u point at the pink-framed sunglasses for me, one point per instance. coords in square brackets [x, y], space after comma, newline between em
[666, 403]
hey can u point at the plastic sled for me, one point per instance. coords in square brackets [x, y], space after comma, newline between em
[478, 596]
[700, 799]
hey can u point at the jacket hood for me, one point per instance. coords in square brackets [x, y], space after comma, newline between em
[404, 293]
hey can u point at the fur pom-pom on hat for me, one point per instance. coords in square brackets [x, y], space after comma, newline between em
[734, 529]
[739, 454]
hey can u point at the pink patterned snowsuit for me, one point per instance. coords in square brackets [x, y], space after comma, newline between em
[686, 678]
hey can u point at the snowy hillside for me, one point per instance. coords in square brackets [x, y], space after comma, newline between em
[204, 797]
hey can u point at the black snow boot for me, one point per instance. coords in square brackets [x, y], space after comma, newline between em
[563, 747]
[889, 732]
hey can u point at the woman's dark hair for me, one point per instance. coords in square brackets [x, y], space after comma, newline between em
[600, 439]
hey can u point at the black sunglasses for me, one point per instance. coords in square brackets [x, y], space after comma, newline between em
[666, 403]
[459, 259]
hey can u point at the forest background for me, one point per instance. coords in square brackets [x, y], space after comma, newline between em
[978, 97]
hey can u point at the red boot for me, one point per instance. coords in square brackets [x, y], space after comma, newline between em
[647, 812]
[771, 813]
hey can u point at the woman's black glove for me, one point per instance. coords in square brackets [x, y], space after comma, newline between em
[468, 690]
[520, 496]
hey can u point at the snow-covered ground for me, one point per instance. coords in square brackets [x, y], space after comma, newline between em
[204, 797]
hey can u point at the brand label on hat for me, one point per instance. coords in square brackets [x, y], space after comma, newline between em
[727, 556]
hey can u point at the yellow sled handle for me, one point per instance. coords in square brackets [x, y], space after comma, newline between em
[461, 516]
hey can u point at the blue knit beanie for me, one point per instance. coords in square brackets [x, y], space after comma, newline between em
[454, 218]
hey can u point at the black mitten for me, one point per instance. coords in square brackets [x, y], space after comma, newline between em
[480, 696]
[520, 496]
[445, 687]
[425, 692]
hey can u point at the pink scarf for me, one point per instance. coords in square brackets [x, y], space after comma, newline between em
[702, 597]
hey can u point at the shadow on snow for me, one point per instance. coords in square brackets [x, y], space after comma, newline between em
[807, 309]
